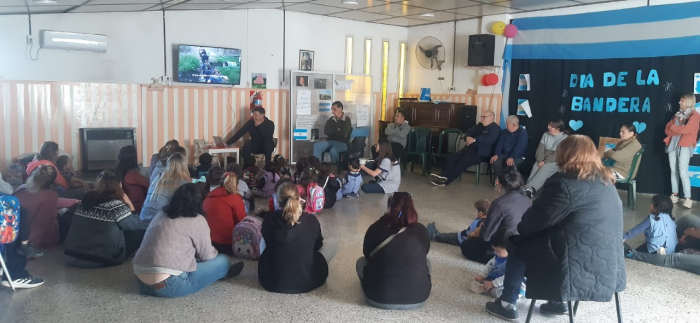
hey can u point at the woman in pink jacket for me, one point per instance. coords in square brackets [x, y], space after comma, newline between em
[681, 137]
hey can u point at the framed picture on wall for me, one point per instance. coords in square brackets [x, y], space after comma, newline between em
[306, 60]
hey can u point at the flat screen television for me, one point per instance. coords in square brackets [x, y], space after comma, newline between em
[209, 65]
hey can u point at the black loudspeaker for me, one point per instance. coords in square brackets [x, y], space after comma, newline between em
[467, 117]
[481, 50]
[100, 146]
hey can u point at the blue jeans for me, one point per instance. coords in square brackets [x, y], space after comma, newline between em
[513, 278]
[187, 283]
[331, 146]
[372, 187]
[679, 160]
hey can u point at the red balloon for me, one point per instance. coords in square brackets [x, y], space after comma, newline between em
[483, 81]
[491, 79]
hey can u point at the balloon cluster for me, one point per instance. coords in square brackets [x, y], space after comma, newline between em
[500, 28]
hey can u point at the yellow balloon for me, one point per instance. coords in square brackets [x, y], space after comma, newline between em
[498, 27]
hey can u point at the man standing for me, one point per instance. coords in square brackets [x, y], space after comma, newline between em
[337, 129]
[261, 130]
[481, 141]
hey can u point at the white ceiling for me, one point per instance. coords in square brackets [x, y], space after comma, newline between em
[391, 12]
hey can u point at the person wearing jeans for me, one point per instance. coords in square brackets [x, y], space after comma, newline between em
[17, 263]
[338, 129]
[176, 257]
[681, 138]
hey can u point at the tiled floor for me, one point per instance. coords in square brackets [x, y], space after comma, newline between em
[111, 295]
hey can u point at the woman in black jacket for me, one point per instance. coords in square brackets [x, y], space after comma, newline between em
[505, 212]
[570, 242]
[395, 271]
[296, 256]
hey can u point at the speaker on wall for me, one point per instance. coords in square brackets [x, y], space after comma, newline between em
[100, 146]
[481, 50]
[467, 117]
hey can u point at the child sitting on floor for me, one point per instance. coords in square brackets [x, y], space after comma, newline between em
[274, 203]
[266, 182]
[205, 161]
[490, 280]
[659, 228]
[353, 179]
[301, 165]
[482, 209]
[250, 171]
[330, 183]
[282, 168]
[65, 167]
[243, 188]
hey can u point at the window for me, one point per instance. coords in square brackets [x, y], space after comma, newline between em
[348, 54]
[402, 66]
[368, 56]
[385, 75]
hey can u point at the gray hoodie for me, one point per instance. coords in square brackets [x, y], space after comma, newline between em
[398, 133]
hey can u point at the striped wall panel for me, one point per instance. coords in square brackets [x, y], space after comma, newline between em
[34, 112]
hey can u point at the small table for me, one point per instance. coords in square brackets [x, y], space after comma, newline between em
[216, 150]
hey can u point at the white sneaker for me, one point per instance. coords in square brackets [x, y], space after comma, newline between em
[29, 282]
[688, 203]
[674, 198]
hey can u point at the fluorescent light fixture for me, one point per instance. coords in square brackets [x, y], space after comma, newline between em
[349, 2]
[45, 1]
[385, 76]
[427, 14]
[348, 54]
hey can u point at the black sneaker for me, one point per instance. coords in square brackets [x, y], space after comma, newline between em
[509, 313]
[235, 269]
[29, 250]
[438, 178]
[29, 282]
[628, 250]
[529, 193]
[554, 308]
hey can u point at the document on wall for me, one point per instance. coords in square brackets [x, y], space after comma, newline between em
[343, 84]
[306, 121]
[363, 115]
[524, 108]
[303, 102]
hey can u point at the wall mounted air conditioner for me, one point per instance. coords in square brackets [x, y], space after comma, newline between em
[49, 39]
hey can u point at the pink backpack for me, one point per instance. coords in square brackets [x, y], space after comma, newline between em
[315, 197]
[247, 238]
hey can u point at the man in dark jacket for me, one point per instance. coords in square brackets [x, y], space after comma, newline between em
[569, 247]
[481, 140]
[261, 130]
[510, 150]
[337, 129]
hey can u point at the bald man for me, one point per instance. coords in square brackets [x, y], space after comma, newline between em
[481, 141]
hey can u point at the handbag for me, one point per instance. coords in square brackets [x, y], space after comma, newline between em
[385, 242]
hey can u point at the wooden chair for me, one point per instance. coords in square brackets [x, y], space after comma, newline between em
[419, 144]
[572, 310]
[631, 180]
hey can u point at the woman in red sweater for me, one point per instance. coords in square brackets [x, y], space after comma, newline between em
[135, 186]
[223, 209]
[681, 137]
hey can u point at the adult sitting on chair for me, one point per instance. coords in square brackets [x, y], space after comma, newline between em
[397, 133]
[569, 242]
[261, 130]
[338, 129]
[510, 150]
[619, 159]
[481, 140]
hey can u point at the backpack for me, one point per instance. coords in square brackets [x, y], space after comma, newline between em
[357, 147]
[315, 197]
[331, 190]
[9, 218]
[247, 238]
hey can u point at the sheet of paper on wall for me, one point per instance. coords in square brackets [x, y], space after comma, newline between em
[306, 121]
[343, 84]
[524, 108]
[362, 115]
[524, 82]
[301, 134]
[303, 102]
[696, 83]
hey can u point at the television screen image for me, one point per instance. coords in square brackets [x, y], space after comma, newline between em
[211, 65]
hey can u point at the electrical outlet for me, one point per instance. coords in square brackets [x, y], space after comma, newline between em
[441, 78]
[452, 88]
[30, 39]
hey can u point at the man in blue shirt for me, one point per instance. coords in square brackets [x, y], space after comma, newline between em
[510, 150]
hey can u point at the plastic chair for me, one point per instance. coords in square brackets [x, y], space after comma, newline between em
[572, 310]
[343, 157]
[631, 180]
[419, 144]
[453, 136]
[10, 222]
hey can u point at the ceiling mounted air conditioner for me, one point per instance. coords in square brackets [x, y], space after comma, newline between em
[49, 39]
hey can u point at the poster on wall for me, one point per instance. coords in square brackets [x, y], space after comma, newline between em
[362, 115]
[303, 102]
[259, 80]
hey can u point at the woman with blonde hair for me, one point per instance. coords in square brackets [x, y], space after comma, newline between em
[162, 188]
[681, 138]
[296, 256]
[224, 208]
[576, 220]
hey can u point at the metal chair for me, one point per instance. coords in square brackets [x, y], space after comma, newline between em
[451, 146]
[631, 179]
[419, 144]
[10, 222]
[572, 310]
